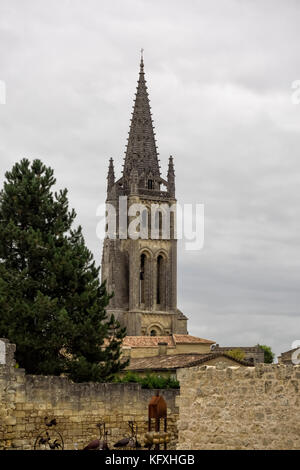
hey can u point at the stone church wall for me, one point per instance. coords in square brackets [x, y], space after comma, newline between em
[239, 407]
[218, 407]
[26, 399]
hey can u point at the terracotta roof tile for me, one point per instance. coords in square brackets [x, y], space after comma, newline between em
[184, 339]
[152, 341]
[176, 361]
[147, 341]
[162, 362]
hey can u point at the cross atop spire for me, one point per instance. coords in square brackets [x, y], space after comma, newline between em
[141, 151]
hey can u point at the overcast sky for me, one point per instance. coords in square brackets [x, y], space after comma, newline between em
[219, 75]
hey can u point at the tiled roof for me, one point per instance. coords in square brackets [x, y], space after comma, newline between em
[184, 339]
[176, 361]
[172, 340]
[147, 341]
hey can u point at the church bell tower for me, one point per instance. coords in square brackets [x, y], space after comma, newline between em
[142, 270]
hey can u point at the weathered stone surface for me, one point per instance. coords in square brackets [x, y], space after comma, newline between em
[234, 408]
[238, 413]
[26, 400]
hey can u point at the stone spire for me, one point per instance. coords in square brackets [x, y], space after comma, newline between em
[171, 177]
[141, 152]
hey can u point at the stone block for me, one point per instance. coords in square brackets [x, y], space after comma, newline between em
[10, 420]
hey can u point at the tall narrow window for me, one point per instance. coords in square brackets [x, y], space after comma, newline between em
[126, 279]
[149, 223]
[144, 224]
[150, 184]
[159, 279]
[172, 225]
[142, 279]
[158, 222]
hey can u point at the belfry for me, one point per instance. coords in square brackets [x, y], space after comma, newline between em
[142, 270]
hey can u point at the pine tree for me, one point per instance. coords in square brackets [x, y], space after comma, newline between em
[52, 304]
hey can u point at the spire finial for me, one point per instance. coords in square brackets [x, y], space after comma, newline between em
[142, 58]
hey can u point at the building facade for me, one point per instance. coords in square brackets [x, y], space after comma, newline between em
[253, 354]
[290, 357]
[139, 260]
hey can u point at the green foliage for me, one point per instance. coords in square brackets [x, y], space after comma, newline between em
[268, 354]
[150, 380]
[236, 354]
[129, 376]
[51, 301]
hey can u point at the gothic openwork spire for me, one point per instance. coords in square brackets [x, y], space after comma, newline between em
[141, 152]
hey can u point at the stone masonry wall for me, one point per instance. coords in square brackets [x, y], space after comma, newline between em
[220, 407]
[26, 399]
[239, 407]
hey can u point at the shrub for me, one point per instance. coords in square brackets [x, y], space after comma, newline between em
[236, 354]
[150, 380]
